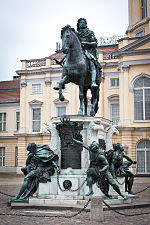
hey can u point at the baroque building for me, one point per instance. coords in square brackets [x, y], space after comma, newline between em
[124, 95]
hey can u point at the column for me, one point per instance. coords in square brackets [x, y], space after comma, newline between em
[124, 96]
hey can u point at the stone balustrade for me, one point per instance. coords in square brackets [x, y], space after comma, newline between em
[35, 63]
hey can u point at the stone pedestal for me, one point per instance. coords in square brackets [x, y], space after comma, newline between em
[94, 128]
[71, 183]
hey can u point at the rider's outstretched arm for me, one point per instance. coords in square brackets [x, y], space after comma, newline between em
[82, 144]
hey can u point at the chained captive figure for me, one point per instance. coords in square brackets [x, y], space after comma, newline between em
[40, 166]
[99, 168]
[89, 44]
[120, 168]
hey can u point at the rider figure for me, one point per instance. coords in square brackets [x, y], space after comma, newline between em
[89, 44]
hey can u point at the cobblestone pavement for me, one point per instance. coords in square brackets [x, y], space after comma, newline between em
[110, 217]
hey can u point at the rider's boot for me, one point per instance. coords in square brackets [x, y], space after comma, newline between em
[56, 87]
[94, 85]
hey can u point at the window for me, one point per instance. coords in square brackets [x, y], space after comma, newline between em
[17, 120]
[142, 99]
[2, 156]
[16, 156]
[114, 113]
[114, 82]
[140, 33]
[143, 8]
[61, 110]
[2, 121]
[36, 88]
[36, 119]
[143, 156]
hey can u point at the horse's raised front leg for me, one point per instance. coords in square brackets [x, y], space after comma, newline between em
[64, 80]
[80, 112]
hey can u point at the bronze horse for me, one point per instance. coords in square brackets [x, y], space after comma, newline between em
[76, 70]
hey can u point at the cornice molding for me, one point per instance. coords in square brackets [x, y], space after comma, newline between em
[35, 102]
[38, 71]
[133, 27]
[136, 129]
[134, 62]
[133, 52]
[136, 44]
[109, 65]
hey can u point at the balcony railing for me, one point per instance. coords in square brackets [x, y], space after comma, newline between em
[109, 55]
[36, 63]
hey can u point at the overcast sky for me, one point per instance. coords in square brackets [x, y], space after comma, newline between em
[30, 28]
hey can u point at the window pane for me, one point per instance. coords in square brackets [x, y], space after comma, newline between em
[37, 114]
[140, 161]
[139, 82]
[61, 111]
[0, 126]
[144, 8]
[138, 104]
[1, 162]
[146, 82]
[114, 82]
[2, 156]
[115, 113]
[141, 144]
[148, 161]
[4, 116]
[36, 88]
[147, 143]
[147, 104]
[36, 126]
[18, 116]
[4, 126]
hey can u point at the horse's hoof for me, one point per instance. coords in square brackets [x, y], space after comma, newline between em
[62, 98]
[56, 88]
[92, 113]
[94, 85]
[80, 113]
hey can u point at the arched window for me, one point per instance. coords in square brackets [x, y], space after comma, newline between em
[142, 98]
[143, 156]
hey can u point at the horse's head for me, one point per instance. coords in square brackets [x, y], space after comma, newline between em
[67, 36]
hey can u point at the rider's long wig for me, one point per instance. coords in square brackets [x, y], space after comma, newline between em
[79, 22]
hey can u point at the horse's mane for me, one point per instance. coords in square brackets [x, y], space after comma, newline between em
[66, 28]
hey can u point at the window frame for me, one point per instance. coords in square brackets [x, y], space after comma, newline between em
[61, 106]
[110, 111]
[143, 9]
[31, 113]
[17, 111]
[109, 82]
[3, 156]
[4, 112]
[36, 92]
[143, 93]
[145, 157]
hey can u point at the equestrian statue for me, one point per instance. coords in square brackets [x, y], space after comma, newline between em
[80, 64]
